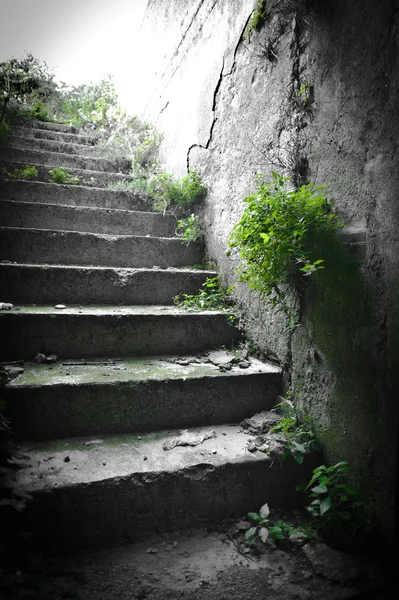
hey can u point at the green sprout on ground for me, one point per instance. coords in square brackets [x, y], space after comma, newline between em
[167, 193]
[61, 175]
[264, 530]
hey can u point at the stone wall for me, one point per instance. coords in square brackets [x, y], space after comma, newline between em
[230, 108]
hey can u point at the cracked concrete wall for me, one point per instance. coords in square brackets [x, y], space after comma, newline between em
[230, 108]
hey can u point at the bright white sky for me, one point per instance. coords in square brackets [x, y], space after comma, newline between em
[80, 40]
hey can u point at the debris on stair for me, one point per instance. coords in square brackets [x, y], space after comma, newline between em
[188, 439]
[60, 306]
[6, 306]
[261, 422]
[41, 358]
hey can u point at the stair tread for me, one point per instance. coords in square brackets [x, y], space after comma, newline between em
[105, 236]
[127, 270]
[101, 310]
[115, 456]
[134, 369]
[101, 209]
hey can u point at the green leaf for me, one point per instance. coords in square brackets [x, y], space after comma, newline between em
[299, 457]
[263, 534]
[325, 505]
[264, 511]
[320, 489]
[265, 237]
[251, 533]
[254, 516]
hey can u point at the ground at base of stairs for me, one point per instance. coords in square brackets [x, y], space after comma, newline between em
[202, 565]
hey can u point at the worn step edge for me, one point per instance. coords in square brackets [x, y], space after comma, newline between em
[74, 148]
[58, 136]
[46, 246]
[72, 195]
[71, 399]
[58, 159]
[45, 125]
[128, 487]
[86, 332]
[34, 215]
[50, 284]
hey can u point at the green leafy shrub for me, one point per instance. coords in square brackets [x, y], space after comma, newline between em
[189, 229]
[61, 175]
[28, 172]
[40, 112]
[338, 510]
[166, 192]
[275, 236]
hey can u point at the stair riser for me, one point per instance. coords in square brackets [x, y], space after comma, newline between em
[87, 178]
[70, 195]
[55, 159]
[42, 216]
[88, 336]
[129, 508]
[58, 411]
[40, 134]
[46, 285]
[69, 248]
[29, 143]
[59, 127]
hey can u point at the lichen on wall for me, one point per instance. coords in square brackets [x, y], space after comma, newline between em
[312, 94]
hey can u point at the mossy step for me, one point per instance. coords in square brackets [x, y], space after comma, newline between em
[90, 331]
[71, 195]
[75, 398]
[93, 491]
[45, 134]
[87, 178]
[114, 221]
[44, 246]
[69, 147]
[44, 284]
[58, 159]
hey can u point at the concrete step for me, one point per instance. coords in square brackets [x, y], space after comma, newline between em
[136, 395]
[45, 246]
[69, 147]
[87, 177]
[127, 486]
[90, 331]
[92, 220]
[52, 284]
[59, 127]
[70, 195]
[58, 159]
[44, 134]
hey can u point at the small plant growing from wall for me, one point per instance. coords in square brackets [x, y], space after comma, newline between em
[274, 237]
[259, 16]
[27, 172]
[61, 175]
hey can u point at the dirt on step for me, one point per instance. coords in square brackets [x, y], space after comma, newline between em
[201, 565]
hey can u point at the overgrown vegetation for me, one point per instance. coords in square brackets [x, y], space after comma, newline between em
[61, 175]
[210, 297]
[189, 229]
[275, 238]
[257, 19]
[28, 172]
[338, 510]
[168, 193]
[297, 434]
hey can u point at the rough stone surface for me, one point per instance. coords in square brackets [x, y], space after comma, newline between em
[38, 284]
[243, 116]
[109, 331]
[103, 397]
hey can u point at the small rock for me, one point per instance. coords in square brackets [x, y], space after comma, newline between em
[60, 306]
[244, 364]
[39, 358]
[67, 459]
[52, 358]
[251, 447]
[104, 464]
[145, 457]
[152, 551]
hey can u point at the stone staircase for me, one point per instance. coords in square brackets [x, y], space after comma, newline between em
[131, 369]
